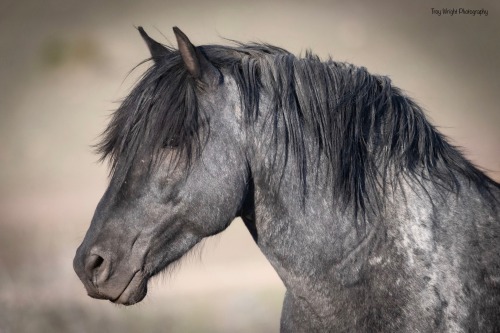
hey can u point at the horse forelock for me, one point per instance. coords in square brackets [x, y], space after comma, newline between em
[160, 112]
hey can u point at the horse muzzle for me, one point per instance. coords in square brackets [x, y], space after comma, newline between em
[103, 277]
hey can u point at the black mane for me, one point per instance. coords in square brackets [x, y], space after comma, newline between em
[364, 126]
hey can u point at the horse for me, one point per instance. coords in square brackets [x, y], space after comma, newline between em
[372, 220]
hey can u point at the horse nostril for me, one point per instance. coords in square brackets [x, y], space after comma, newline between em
[92, 264]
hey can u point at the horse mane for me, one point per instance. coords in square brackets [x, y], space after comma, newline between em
[364, 126]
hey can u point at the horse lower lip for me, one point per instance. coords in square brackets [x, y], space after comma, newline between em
[124, 296]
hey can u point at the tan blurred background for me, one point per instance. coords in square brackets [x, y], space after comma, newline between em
[63, 67]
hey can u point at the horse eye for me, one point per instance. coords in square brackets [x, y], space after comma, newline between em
[171, 143]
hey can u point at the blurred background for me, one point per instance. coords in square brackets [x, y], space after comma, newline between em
[64, 67]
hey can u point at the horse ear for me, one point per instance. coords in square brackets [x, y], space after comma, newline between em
[195, 61]
[156, 49]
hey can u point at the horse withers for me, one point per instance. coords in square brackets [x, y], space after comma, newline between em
[371, 219]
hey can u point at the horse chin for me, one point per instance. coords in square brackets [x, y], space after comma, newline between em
[134, 292]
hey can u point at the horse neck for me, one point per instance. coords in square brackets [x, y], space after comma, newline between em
[314, 242]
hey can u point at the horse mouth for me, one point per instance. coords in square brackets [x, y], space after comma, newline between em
[134, 292]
